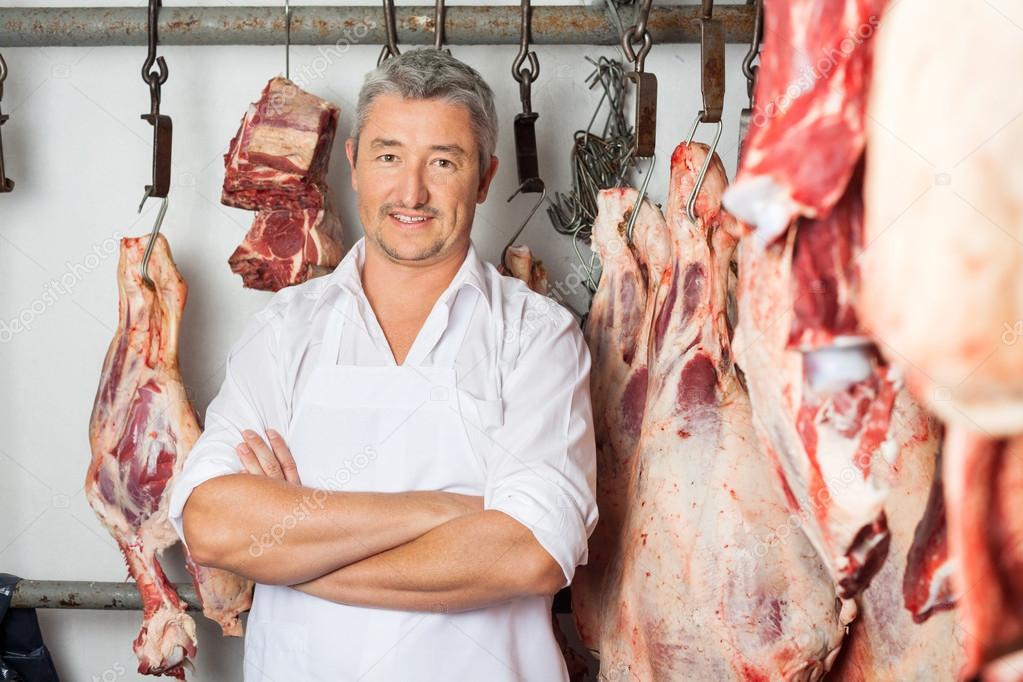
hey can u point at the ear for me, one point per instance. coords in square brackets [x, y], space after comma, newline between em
[350, 153]
[485, 180]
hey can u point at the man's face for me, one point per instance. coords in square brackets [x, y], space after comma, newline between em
[417, 178]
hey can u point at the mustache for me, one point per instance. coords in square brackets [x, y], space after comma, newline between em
[386, 209]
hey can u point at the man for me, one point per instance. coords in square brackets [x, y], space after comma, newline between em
[401, 455]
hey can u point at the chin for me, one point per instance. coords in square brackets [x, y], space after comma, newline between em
[410, 247]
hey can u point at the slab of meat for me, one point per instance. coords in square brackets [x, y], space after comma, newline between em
[822, 400]
[286, 246]
[524, 266]
[946, 231]
[984, 496]
[885, 643]
[283, 144]
[276, 165]
[141, 430]
[708, 579]
[807, 131]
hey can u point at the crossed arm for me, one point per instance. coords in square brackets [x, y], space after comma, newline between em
[420, 550]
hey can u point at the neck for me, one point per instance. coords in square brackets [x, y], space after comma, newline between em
[389, 283]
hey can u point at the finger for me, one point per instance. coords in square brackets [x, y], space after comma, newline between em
[248, 459]
[284, 457]
[266, 457]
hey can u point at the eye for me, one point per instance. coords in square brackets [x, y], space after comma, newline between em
[386, 158]
[445, 163]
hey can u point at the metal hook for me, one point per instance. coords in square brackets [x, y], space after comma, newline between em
[543, 197]
[438, 27]
[698, 185]
[750, 71]
[144, 269]
[162, 127]
[6, 184]
[639, 202]
[712, 63]
[638, 33]
[287, 39]
[390, 48]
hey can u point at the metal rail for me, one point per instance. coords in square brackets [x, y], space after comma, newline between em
[105, 596]
[464, 25]
[81, 594]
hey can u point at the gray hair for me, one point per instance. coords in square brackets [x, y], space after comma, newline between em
[429, 73]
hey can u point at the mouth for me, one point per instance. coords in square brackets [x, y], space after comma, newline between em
[410, 221]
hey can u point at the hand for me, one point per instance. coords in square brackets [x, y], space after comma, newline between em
[260, 459]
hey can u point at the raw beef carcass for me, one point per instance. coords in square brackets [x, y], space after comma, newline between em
[524, 266]
[944, 204]
[141, 430]
[798, 344]
[276, 165]
[885, 643]
[286, 246]
[706, 578]
[807, 131]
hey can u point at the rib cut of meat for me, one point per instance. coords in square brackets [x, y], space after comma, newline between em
[276, 164]
[946, 231]
[522, 265]
[141, 430]
[283, 144]
[705, 577]
[285, 247]
[807, 131]
[885, 642]
[822, 401]
[984, 496]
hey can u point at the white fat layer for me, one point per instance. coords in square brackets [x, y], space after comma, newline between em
[832, 369]
[762, 202]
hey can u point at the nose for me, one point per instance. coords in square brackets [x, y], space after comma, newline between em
[412, 190]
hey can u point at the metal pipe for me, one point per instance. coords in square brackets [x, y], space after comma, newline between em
[465, 25]
[82, 594]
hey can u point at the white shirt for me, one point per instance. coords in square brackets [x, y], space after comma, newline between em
[523, 354]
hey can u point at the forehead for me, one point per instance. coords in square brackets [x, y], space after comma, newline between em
[418, 122]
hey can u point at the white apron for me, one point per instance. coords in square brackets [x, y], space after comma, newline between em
[393, 429]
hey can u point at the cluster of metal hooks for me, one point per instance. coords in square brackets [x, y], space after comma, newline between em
[600, 160]
[162, 132]
[749, 69]
[712, 85]
[526, 156]
[6, 184]
[390, 48]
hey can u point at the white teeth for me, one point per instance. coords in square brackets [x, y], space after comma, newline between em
[409, 219]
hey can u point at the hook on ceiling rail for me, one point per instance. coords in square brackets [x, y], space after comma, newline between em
[6, 184]
[162, 132]
[390, 48]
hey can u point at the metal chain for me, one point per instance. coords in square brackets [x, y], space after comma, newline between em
[526, 76]
[749, 69]
[154, 78]
[638, 33]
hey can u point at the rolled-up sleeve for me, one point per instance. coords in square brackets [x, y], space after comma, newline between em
[545, 474]
[252, 396]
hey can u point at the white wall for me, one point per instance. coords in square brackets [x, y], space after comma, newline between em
[80, 155]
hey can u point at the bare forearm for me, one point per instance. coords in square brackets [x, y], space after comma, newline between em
[275, 532]
[467, 563]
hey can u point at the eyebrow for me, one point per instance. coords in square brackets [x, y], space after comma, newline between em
[453, 149]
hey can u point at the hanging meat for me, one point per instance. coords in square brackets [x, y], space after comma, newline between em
[277, 165]
[887, 641]
[141, 430]
[522, 265]
[944, 202]
[807, 132]
[695, 571]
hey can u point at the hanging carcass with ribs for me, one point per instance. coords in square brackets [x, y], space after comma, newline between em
[695, 571]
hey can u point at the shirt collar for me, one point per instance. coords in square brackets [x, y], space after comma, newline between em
[347, 276]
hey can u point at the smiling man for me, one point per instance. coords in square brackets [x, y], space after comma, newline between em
[401, 455]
